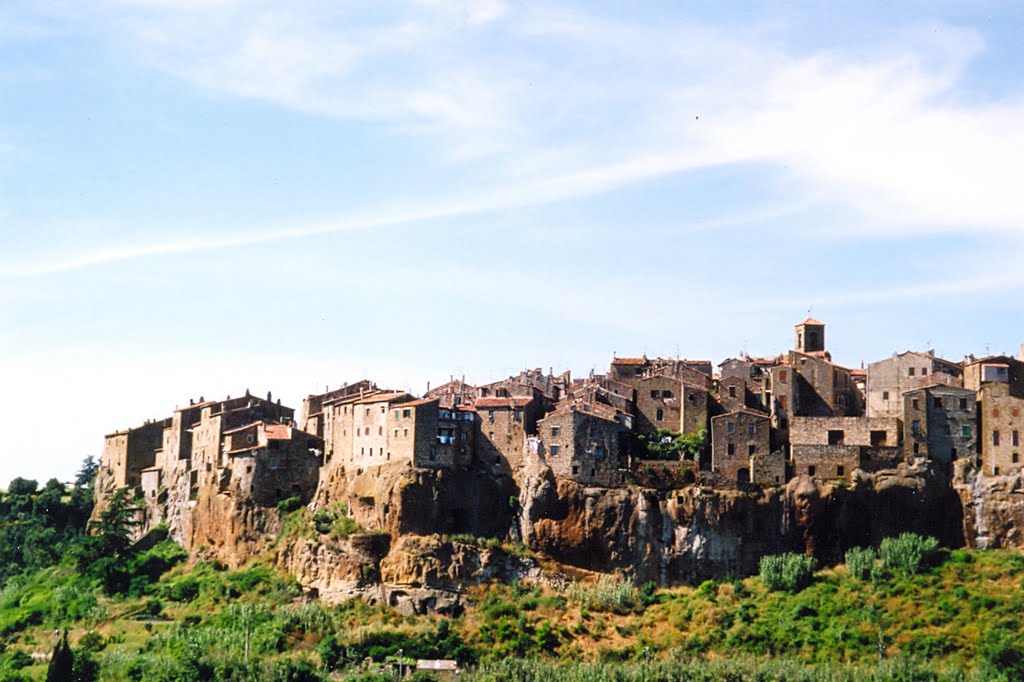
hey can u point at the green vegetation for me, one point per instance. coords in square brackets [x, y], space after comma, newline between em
[790, 572]
[668, 445]
[909, 611]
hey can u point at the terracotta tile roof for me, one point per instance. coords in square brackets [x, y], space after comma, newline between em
[743, 410]
[278, 432]
[629, 361]
[502, 402]
[417, 403]
[382, 397]
[811, 320]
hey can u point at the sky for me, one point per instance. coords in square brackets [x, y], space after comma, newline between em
[199, 197]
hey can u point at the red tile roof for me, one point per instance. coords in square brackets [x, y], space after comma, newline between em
[629, 361]
[392, 397]
[811, 320]
[278, 432]
[502, 402]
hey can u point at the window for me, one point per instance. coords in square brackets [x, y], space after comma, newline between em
[963, 403]
[396, 433]
[917, 448]
[380, 430]
[782, 376]
[554, 431]
[878, 438]
[1016, 458]
[405, 432]
[1015, 438]
[659, 414]
[751, 449]
[839, 470]
[910, 371]
[732, 391]
[924, 371]
[729, 427]
[995, 471]
[836, 437]
[811, 470]
[915, 405]
[965, 431]
[730, 449]
[885, 395]
[405, 413]
[383, 409]
[554, 450]
[655, 393]
[490, 415]
[367, 411]
[937, 402]
[575, 470]
[751, 429]
[915, 427]
[995, 437]
[666, 394]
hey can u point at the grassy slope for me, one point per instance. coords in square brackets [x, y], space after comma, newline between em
[963, 616]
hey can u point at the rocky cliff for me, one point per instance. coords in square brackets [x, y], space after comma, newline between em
[418, 552]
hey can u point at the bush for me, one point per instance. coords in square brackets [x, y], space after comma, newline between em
[789, 572]
[608, 594]
[909, 553]
[860, 561]
[289, 504]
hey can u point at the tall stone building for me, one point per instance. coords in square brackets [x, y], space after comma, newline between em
[586, 442]
[1002, 427]
[888, 380]
[833, 447]
[940, 422]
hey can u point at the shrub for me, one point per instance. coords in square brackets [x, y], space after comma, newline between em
[860, 561]
[608, 594]
[289, 504]
[909, 553]
[789, 572]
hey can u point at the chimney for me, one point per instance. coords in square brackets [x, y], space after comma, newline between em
[246, 393]
[268, 397]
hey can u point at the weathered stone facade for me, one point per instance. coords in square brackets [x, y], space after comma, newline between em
[833, 447]
[995, 369]
[940, 422]
[1002, 427]
[585, 442]
[737, 438]
[888, 380]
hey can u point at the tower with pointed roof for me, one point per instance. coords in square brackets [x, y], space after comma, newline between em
[810, 336]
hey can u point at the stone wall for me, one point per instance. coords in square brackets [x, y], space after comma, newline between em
[940, 423]
[1002, 428]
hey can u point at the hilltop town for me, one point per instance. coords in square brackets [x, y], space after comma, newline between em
[748, 425]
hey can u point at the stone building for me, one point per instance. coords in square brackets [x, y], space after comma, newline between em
[889, 379]
[586, 442]
[738, 440]
[940, 422]
[267, 462]
[832, 447]
[369, 419]
[127, 453]
[995, 369]
[1001, 428]
[453, 394]
[755, 373]
[502, 425]
[312, 415]
[600, 389]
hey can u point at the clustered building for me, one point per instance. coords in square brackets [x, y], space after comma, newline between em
[757, 422]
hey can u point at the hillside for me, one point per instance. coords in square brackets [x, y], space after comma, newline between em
[935, 615]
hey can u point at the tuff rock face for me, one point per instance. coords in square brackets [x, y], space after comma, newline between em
[417, 556]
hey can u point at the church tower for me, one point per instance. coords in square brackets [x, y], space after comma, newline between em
[810, 336]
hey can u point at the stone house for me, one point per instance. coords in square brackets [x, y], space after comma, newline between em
[312, 414]
[1002, 427]
[738, 440]
[889, 379]
[940, 422]
[833, 447]
[502, 425]
[369, 419]
[755, 373]
[127, 453]
[453, 394]
[586, 442]
[266, 462]
[995, 369]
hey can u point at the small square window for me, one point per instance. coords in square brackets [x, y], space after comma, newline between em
[730, 449]
[839, 470]
[910, 371]
[937, 402]
[914, 404]
[963, 403]
[965, 431]
[811, 470]
[751, 449]
[729, 427]
[554, 450]
[885, 395]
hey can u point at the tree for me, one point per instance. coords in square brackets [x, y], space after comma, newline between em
[113, 529]
[62, 662]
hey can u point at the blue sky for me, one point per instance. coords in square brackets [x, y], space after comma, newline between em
[199, 197]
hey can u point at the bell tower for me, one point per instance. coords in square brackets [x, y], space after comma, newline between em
[810, 336]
